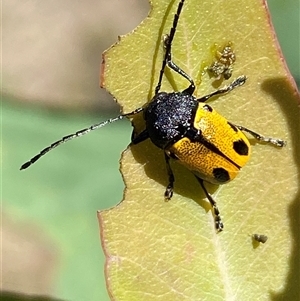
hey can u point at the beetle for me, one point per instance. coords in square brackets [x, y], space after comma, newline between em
[188, 130]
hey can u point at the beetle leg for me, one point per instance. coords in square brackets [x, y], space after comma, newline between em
[190, 90]
[261, 138]
[169, 189]
[218, 221]
[239, 81]
[135, 139]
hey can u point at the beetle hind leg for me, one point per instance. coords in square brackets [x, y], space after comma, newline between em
[261, 138]
[218, 221]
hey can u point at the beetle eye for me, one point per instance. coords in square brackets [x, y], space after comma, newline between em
[207, 108]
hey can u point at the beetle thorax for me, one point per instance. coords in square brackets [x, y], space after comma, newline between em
[169, 116]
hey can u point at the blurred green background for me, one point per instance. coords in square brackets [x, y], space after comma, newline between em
[50, 231]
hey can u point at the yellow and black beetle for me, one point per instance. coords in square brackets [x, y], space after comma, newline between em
[188, 130]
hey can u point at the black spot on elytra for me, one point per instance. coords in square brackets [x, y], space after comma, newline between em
[241, 147]
[221, 175]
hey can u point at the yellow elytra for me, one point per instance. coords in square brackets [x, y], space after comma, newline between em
[220, 152]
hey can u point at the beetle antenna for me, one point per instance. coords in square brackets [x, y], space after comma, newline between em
[76, 135]
[168, 44]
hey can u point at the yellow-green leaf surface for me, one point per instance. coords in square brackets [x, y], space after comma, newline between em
[159, 250]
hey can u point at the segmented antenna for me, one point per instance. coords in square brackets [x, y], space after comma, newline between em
[76, 135]
[168, 44]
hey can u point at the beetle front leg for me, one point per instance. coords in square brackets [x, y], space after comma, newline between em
[218, 221]
[190, 90]
[236, 83]
[261, 138]
[169, 189]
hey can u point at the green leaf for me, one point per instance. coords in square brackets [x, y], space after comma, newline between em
[158, 250]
